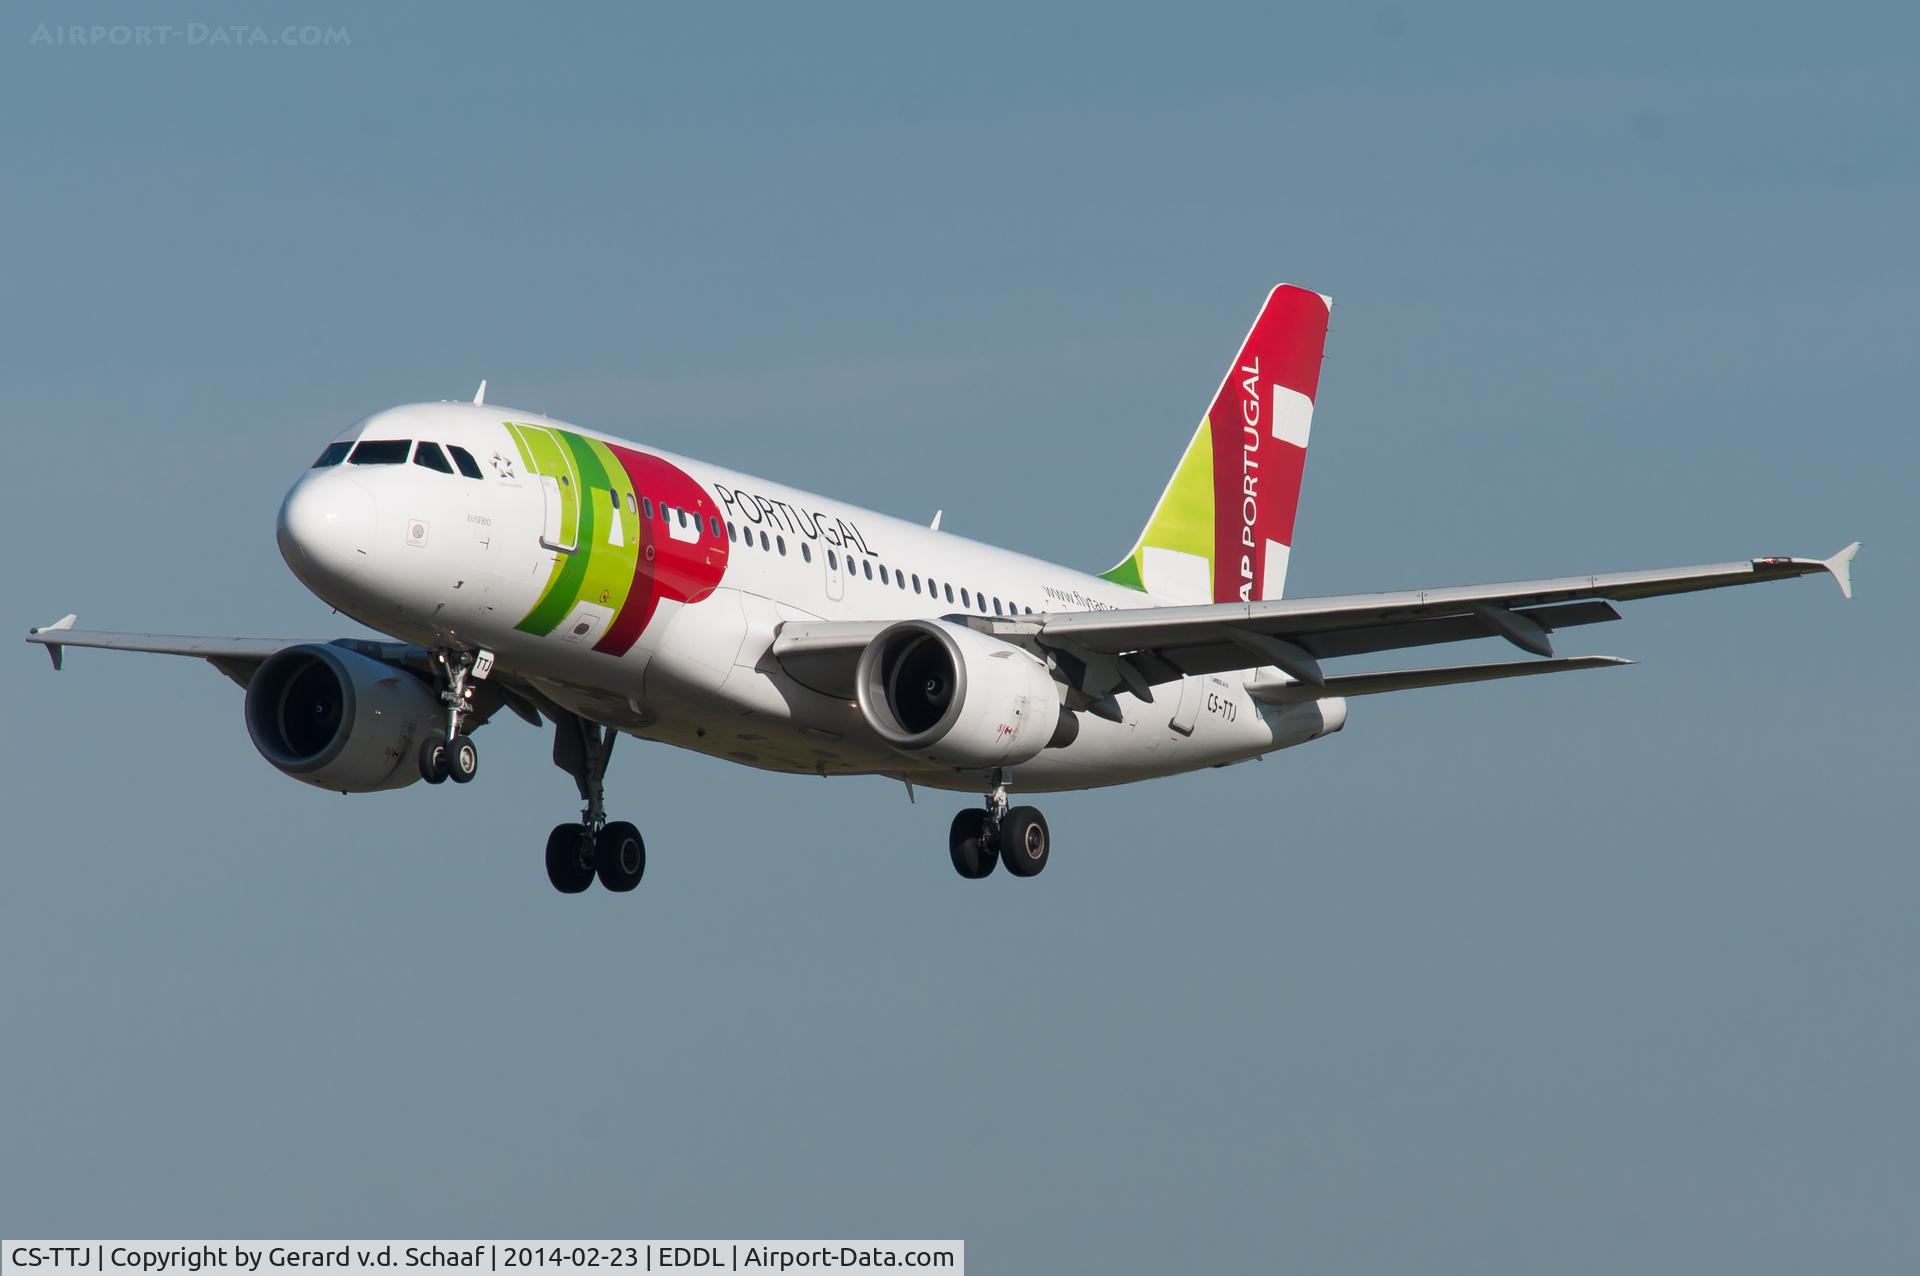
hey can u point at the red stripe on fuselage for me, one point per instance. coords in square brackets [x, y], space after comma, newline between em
[665, 569]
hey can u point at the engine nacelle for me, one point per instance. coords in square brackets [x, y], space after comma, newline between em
[955, 696]
[339, 720]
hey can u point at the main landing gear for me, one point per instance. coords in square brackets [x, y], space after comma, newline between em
[981, 839]
[612, 851]
[453, 756]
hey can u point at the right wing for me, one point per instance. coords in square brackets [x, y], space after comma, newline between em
[235, 657]
[1100, 653]
[240, 658]
[1161, 644]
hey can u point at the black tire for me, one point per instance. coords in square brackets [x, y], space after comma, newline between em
[567, 867]
[620, 856]
[433, 760]
[463, 760]
[973, 855]
[1025, 842]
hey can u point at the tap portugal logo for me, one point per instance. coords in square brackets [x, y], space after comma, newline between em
[632, 531]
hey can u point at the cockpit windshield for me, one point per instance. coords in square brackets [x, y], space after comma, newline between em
[380, 452]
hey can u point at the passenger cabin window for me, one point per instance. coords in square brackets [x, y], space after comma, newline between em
[464, 459]
[763, 542]
[646, 507]
[948, 591]
[833, 560]
[964, 600]
[781, 542]
[996, 606]
[380, 452]
[916, 582]
[430, 455]
[806, 552]
[335, 453]
[733, 533]
[867, 568]
[713, 525]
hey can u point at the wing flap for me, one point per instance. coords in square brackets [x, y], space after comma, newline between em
[1370, 684]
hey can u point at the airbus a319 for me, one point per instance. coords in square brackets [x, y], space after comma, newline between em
[606, 588]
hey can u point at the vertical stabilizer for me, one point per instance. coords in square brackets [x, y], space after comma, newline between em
[1223, 529]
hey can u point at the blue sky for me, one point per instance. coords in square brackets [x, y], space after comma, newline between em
[1590, 973]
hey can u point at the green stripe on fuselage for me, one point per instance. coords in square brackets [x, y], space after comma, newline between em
[610, 565]
[598, 572]
[520, 442]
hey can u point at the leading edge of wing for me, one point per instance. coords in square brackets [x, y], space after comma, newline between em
[1146, 627]
[62, 634]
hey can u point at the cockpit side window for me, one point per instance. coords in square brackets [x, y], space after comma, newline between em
[464, 459]
[380, 452]
[335, 453]
[430, 455]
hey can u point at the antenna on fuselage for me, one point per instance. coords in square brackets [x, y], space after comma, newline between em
[480, 395]
[935, 524]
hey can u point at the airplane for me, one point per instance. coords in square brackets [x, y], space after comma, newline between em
[608, 588]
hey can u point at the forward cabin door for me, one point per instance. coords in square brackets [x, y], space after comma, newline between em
[562, 528]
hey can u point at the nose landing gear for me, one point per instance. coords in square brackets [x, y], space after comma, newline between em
[454, 757]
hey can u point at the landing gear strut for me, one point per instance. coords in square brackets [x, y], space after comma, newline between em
[577, 853]
[980, 840]
[453, 756]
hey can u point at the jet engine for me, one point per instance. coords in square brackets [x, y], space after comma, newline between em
[955, 696]
[339, 720]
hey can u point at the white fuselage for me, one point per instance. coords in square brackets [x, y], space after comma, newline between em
[498, 562]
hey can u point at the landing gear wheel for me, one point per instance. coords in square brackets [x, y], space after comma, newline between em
[568, 866]
[433, 760]
[973, 855]
[462, 759]
[1024, 841]
[620, 856]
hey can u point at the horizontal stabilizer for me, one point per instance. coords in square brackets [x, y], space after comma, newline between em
[1370, 684]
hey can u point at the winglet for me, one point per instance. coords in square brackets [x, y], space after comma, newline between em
[55, 649]
[1841, 565]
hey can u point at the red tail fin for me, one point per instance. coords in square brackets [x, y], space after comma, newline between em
[1223, 530]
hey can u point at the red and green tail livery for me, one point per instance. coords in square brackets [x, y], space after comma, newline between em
[1223, 529]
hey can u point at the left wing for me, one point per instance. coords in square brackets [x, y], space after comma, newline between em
[1099, 653]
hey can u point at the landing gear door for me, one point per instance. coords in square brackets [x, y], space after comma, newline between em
[562, 527]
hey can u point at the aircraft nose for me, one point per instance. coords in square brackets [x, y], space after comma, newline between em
[326, 519]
